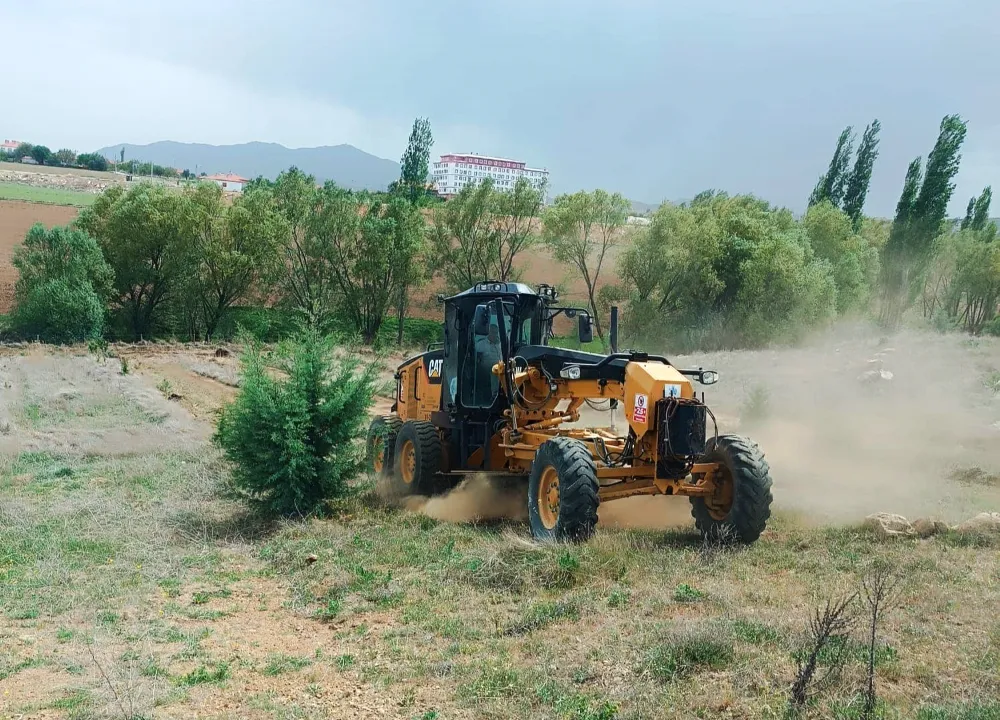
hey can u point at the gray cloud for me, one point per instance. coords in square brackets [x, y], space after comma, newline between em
[656, 99]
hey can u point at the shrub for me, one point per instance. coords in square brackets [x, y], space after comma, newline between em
[59, 312]
[63, 282]
[292, 441]
[993, 327]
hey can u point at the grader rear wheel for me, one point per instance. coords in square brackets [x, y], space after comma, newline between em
[381, 443]
[562, 491]
[741, 505]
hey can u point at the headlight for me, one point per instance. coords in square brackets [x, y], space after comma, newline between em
[709, 377]
[570, 372]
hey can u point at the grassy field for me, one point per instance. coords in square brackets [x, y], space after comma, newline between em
[50, 196]
[132, 586]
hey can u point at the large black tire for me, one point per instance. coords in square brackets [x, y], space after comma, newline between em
[743, 465]
[570, 512]
[381, 443]
[416, 459]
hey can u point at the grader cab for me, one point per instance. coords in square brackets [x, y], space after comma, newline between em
[495, 398]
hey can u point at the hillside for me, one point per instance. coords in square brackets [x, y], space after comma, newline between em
[346, 165]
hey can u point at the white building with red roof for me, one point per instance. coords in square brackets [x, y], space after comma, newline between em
[227, 181]
[9, 146]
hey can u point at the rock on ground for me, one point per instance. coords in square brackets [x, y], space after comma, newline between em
[986, 523]
[926, 527]
[887, 525]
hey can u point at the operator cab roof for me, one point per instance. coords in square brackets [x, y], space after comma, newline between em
[492, 289]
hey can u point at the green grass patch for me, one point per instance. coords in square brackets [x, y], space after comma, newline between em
[49, 196]
[961, 711]
[683, 652]
[755, 633]
[279, 664]
[542, 614]
[203, 675]
[685, 593]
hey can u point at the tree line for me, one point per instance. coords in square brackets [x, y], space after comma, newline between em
[719, 271]
[66, 157]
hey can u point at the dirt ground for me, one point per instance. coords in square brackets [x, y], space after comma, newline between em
[15, 220]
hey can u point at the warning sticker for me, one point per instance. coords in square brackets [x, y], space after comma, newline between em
[639, 414]
[671, 390]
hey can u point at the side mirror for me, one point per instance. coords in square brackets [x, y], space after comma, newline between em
[586, 329]
[481, 321]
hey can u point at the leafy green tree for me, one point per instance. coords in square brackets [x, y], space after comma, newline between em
[62, 287]
[41, 154]
[856, 190]
[22, 151]
[479, 234]
[723, 272]
[65, 157]
[309, 285]
[416, 160]
[854, 261]
[831, 184]
[579, 229]
[92, 161]
[669, 269]
[146, 235]
[237, 251]
[515, 217]
[372, 242]
[292, 441]
[968, 277]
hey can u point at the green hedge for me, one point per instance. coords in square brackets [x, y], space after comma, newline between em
[416, 332]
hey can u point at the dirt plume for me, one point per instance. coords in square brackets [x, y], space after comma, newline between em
[478, 497]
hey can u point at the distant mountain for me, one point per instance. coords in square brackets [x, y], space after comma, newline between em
[641, 208]
[344, 164]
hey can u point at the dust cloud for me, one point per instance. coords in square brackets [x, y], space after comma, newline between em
[843, 439]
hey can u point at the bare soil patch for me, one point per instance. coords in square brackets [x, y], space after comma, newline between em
[15, 220]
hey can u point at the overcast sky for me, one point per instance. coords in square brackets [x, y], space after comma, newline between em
[658, 99]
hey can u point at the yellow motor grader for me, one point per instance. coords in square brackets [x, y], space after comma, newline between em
[495, 398]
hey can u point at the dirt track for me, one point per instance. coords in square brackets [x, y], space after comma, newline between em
[15, 220]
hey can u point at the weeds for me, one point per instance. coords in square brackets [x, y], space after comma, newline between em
[829, 630]
[201, 675]
[879, 588]
[279, 664]
[683, 652]
[685, 593]
[538, 616]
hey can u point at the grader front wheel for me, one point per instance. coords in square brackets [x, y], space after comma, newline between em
[741, 505]
[562, 491]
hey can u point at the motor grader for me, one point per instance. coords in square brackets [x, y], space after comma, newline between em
[495, 398]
